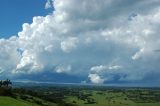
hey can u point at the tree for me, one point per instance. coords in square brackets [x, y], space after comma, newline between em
[5, 83]
[1, 83]
[4, 89]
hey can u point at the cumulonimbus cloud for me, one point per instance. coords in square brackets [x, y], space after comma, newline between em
[84, 34]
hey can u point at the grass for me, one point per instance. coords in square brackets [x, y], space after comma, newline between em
[88, 97]
[105, 98]
[33, 101]
[8, 101]
[102, 99]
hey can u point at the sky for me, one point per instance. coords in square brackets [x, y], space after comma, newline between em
[16, 12]
[111, 42]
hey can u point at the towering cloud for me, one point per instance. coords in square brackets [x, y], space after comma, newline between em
[103, 40]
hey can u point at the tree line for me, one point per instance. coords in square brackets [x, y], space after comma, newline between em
[5, 83]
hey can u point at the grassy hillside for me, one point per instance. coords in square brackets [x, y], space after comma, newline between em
[8, 101]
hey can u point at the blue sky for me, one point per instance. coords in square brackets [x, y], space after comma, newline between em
[16, 12]
[80, 41]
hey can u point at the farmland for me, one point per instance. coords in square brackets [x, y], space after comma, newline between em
[80, 95]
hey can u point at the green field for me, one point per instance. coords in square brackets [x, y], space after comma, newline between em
[105, 98]
[8, 101]
[79, 96]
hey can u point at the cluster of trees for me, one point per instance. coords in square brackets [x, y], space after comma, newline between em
[5, 83]
[5, 89]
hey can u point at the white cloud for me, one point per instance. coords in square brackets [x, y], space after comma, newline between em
[116, 67]
[28, 63]
[99, 68]
[105, 68]
[9, 57]
[49, 48]
[63, 69]
[69, 44]
[102, 70]
[96, 79]
[86, 36]
[48, 4]
[138, 54]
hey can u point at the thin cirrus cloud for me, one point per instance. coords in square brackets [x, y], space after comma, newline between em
[95, 41]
